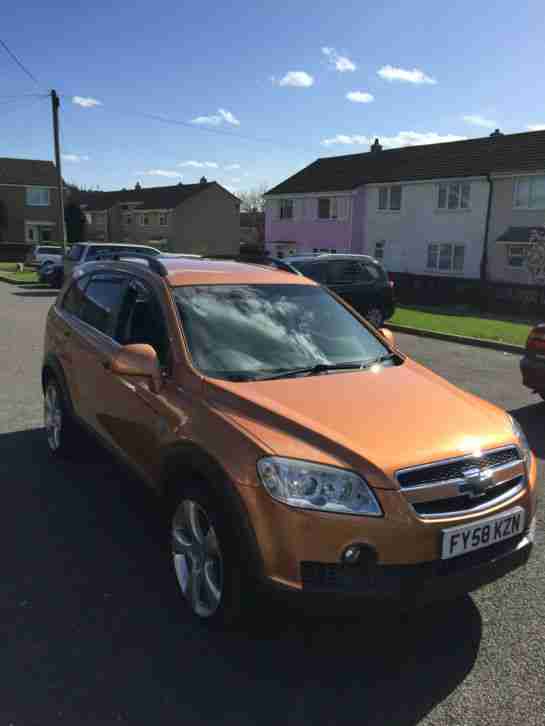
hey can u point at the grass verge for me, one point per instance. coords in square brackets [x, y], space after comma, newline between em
[8, 271]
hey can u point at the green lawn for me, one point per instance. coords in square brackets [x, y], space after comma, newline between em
[470, 324]
[9, 270]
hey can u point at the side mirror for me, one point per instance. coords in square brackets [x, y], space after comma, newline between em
[138, 359]
[386, 333]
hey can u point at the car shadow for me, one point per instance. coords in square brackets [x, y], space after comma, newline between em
[531, 419]
[45, 292]
[95, 629]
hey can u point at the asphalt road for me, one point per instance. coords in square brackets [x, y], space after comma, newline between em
[92, 630]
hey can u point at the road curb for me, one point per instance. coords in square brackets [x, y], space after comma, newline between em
[18, 283]
[463, 339]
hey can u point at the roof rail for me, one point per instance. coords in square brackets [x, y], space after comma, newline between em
[153, 263]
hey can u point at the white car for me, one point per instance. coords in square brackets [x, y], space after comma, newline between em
[92, 251]
[43, 253]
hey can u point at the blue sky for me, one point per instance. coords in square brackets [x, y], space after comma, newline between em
[277, 74]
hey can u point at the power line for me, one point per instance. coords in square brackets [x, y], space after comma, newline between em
[18, 62]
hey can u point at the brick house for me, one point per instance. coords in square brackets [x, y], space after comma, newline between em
[28, 201]
[195, 218]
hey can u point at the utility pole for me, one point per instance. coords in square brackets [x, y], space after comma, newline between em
[55, 103]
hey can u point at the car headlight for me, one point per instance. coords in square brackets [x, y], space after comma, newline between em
[316, 486]
[522, 441]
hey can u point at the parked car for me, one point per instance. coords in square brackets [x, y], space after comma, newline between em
[283, 431]
[42, 253]
[532, 365]
[359, 279]
[83, 252]
[51, 273]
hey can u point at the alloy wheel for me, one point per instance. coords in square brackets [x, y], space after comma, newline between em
[197, 558]
[53, 416]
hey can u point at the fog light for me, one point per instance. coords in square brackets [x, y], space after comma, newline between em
[351, 554]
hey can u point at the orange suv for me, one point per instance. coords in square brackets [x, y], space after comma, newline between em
[296, 446]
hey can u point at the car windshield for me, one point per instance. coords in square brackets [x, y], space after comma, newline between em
[248, 332]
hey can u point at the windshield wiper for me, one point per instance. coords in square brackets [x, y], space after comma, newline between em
[380, 359]
[315, 370]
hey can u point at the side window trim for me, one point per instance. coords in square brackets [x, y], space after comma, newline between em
[77, 315]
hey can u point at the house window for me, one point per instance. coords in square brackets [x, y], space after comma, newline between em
[286, 209]
[379, 250]
[446, 257]
[324, 208]
[37, 197]
[98, 219]
[163, 220]
[515, 256]
[144, 220]
[389, 198]
[454, 196]
[530, 192]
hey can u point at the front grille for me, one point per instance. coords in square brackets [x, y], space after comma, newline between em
[464, 503]
[454, 469]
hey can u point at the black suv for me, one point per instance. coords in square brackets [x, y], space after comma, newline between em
[358, 279]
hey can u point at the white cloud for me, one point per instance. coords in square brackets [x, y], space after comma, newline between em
[341, 62]
[477, 120]
[86, 101]
[161, 172]
[403, 138]
[390, 73]
[231, 167]
[536, 127]
[360, 97]
[216, 119]
[297, 79]
[199, 164]
[75, 157]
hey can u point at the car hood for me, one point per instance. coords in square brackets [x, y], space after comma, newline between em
[375, 421]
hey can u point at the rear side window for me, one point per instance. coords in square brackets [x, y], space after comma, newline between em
[102, 299]
[50, 250]
[75, 253]
[344, 272]
[372, 272]
[313, 270]
[73, 300]
[98, 253]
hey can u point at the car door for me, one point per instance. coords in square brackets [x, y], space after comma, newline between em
[133, 417]
[344, 278]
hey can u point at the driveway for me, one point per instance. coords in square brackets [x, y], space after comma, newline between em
[92, 630]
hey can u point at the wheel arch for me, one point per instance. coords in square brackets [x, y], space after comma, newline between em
[53, 367]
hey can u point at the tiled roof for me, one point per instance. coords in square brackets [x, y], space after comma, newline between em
[28, 171]
[146, 198]
[474, 157]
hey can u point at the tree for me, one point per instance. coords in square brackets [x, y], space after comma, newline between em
[253, 199]
[75, 223]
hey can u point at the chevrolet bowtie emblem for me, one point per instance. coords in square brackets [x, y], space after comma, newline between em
[476, 482]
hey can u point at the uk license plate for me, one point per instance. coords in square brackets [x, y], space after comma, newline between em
[461, 540]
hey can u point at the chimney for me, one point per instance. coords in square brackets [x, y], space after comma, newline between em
[376, 147]
[137, 186]
[495, 133]
[204, 180]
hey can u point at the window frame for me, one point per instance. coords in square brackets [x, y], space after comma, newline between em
[283, 206]
[445, 188]
[163, 216]
[385, 198]
[529, 180]
[435, 249]
[511, 256]
[33, 189]
[380, 257]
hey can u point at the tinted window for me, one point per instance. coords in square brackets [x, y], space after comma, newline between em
[251, 331]
[141, 320]
[372, 272]
[73, 300]
[103, 297]
[75, 253]
[98, 253]
[316, 271]
[50, 250]
[343, 272]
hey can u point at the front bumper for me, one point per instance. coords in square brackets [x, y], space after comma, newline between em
[533, 372]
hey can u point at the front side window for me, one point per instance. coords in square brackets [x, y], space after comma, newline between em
[515, 256]
[530, 192]
[446, 257]
[37, 197]
[379, 250]
[286, 209]
[102, 299]
[389, 198]
[454, 196]
[248, 332]
[141, 321]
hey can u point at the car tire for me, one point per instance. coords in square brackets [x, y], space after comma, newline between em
[375, 316]
[61, 429]
[206, 557]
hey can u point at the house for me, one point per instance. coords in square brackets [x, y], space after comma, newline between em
[252, 227]
[195, 218]
[28, 201]
[423, 210]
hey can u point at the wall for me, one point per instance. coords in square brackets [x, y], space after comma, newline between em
[502, 216]
[207, 223]
[408, 232]
[17, 212]
[305, 229]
